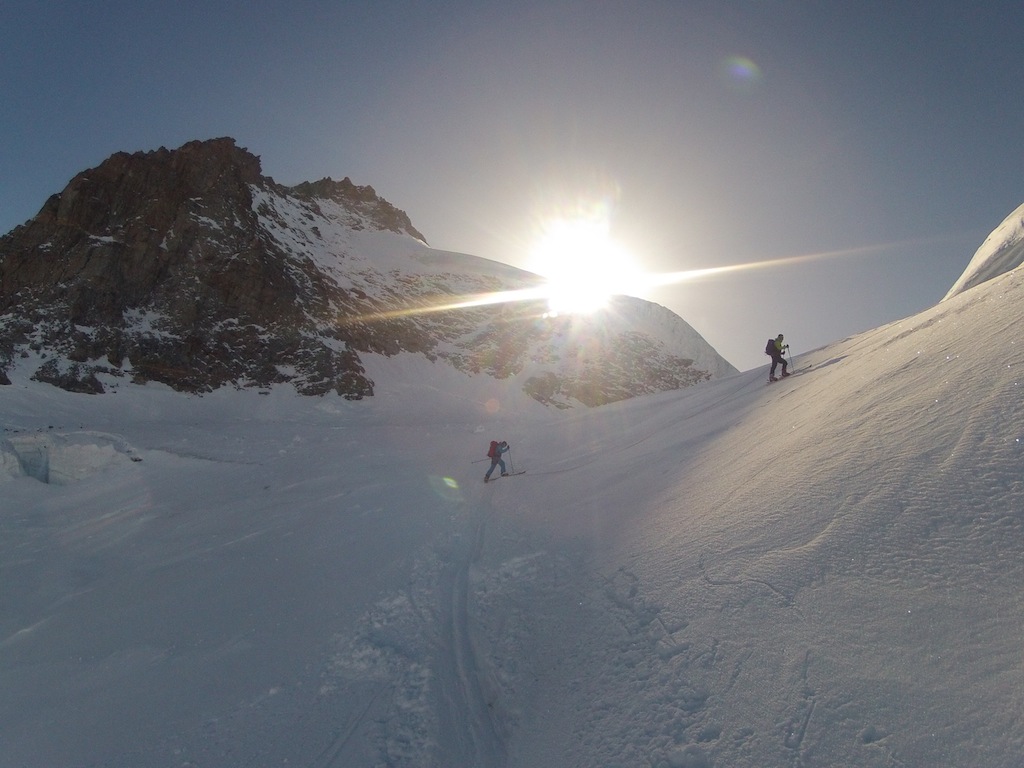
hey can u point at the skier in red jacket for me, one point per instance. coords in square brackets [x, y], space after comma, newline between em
[494, 454]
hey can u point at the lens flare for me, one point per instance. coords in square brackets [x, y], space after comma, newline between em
[741, 72]
[627, 281]
[445, 487]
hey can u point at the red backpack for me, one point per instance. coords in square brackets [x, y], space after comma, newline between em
[493, 450]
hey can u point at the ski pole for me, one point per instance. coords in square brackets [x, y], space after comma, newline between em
[511, 466]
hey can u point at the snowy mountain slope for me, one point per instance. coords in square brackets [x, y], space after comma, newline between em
[636, 347]
[1002, 251]
[819, 572]
[190, 268]
[835, 576]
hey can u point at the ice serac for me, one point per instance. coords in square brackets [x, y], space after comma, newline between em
[1002, 251]
[191, 268]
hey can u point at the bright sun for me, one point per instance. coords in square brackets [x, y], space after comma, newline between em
[584, 267]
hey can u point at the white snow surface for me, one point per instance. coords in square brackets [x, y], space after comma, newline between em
[340, 242]
[825, 571]
[1002, 251]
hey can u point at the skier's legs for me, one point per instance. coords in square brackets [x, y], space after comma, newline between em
[495, 462]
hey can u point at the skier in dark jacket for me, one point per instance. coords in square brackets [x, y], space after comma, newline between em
[775, 349]
[494, 454]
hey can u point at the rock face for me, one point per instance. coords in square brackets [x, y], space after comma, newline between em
[190, 268]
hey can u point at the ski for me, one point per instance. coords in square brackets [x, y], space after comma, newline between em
[796, 372]
[507, 474]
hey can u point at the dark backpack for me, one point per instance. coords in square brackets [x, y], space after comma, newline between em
[493, 450]
[769, 348]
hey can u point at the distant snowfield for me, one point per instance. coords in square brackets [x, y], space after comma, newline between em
[820, 572]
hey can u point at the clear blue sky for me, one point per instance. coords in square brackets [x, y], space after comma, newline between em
[718, 132]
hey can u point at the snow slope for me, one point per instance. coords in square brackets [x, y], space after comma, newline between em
[1002, 251]
[820, 572]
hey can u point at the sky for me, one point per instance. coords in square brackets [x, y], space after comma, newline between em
[702, 134]
[821, 571]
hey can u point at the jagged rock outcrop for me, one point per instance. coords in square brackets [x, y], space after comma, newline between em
[190, 268]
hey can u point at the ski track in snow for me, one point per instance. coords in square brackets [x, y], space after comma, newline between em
[468, 719]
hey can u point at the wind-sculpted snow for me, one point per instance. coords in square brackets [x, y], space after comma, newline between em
[1002, 251]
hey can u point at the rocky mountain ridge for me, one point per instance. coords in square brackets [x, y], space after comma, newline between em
[190, 268]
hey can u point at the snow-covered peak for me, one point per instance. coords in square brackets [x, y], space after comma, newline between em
[1002, 251]
[248, 283]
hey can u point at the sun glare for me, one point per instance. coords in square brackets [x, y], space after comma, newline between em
[583, 265]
